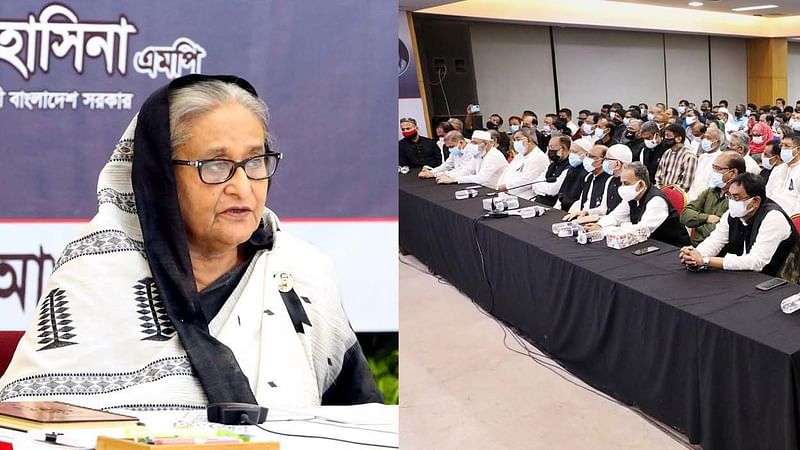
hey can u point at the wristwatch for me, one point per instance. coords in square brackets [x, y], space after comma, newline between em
[706, 261]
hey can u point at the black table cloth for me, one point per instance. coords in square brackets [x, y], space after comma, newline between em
[705, 353]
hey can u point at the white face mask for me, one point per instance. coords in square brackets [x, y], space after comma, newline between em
[628, 192]
[681, 109]
[587, 129]
[738, 208]
[599, 133]
[650, 143]
[513, 128]
[471, 149]
[612, 115]
[520, 147]
[691, 120]
[758, 139]
[650, 116]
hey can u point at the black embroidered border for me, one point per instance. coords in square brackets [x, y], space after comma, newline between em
[95, 383]
[99, 242]
[122, 200]
[123, 151]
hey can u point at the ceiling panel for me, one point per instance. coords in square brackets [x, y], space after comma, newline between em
[785, 7]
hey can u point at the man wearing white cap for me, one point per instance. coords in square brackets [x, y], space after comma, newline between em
[484, 168]
[616, 157]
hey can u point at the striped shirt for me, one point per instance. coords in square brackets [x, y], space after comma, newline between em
[677, 166]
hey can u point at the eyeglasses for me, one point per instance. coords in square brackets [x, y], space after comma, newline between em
[217, 171]
[729, 196]
[717, 168]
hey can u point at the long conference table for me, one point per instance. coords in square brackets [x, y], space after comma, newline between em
[704, 352]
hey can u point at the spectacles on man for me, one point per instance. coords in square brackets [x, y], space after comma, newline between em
[717, 168]
[217, 171]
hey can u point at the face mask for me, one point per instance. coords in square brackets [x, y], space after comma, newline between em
[737, 114]
[580, 122]
[599, 133]
[456, 152]
[705, 144]
[796, 126]
[491, 125]
[766, 163]
[546, 128]
[513, 128]
[737, 208]
[471, 149]
[650, 143]
[758, 139]
[715, 181]
[553, 155]
[787, 154]
[650, 116]
[691, 120]
[520, 147]
[626, 121]
[574, 160]
[668, 143]
[748, 112]
[587, 129]
[588, 164]
[627, 192]
[629, 135]
[681, 109]
[607, 168]
[409, 133]
[612, 115]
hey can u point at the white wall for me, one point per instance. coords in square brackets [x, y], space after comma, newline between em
[602, 66]
[729, 70]
[513, 69]
[687, 68]
[793, 76]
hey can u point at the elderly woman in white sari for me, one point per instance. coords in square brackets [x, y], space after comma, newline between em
[183, 290]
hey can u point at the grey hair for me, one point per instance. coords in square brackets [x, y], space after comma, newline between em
[188, 103]
[743, 139]
[529, 133]
[649, 127]
[636, 121]
[719, 134]
[640, 172]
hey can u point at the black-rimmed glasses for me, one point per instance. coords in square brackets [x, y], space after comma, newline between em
[216, 171]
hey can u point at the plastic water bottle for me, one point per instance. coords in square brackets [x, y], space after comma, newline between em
[532, 211]
[466, 193]
[791, 304]
[585, 237]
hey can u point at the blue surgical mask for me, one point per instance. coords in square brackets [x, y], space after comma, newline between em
[456, 152]
[705, 144]
[607, 167]
[716, 180]
[513, 128]
[588, 164]
[786, 154]
[626, 121]
[574, 160]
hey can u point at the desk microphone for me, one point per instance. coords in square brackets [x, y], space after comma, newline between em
[546, 180]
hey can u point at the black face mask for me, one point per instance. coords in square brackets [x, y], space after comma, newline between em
[491, 125]
[668, 143]
[737, 114]
[630, 136]
[553, 155]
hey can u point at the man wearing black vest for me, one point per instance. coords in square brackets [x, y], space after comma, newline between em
[755, 234]
[643, 204]
[595, 185]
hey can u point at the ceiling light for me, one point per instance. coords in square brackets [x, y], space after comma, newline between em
[753, 8]
[695, 3]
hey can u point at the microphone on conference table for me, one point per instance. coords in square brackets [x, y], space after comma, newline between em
[546, 180]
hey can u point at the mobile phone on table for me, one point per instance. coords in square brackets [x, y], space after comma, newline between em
[770, 284]
[645, 250]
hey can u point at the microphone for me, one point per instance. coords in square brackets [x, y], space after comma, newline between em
[546, 180]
